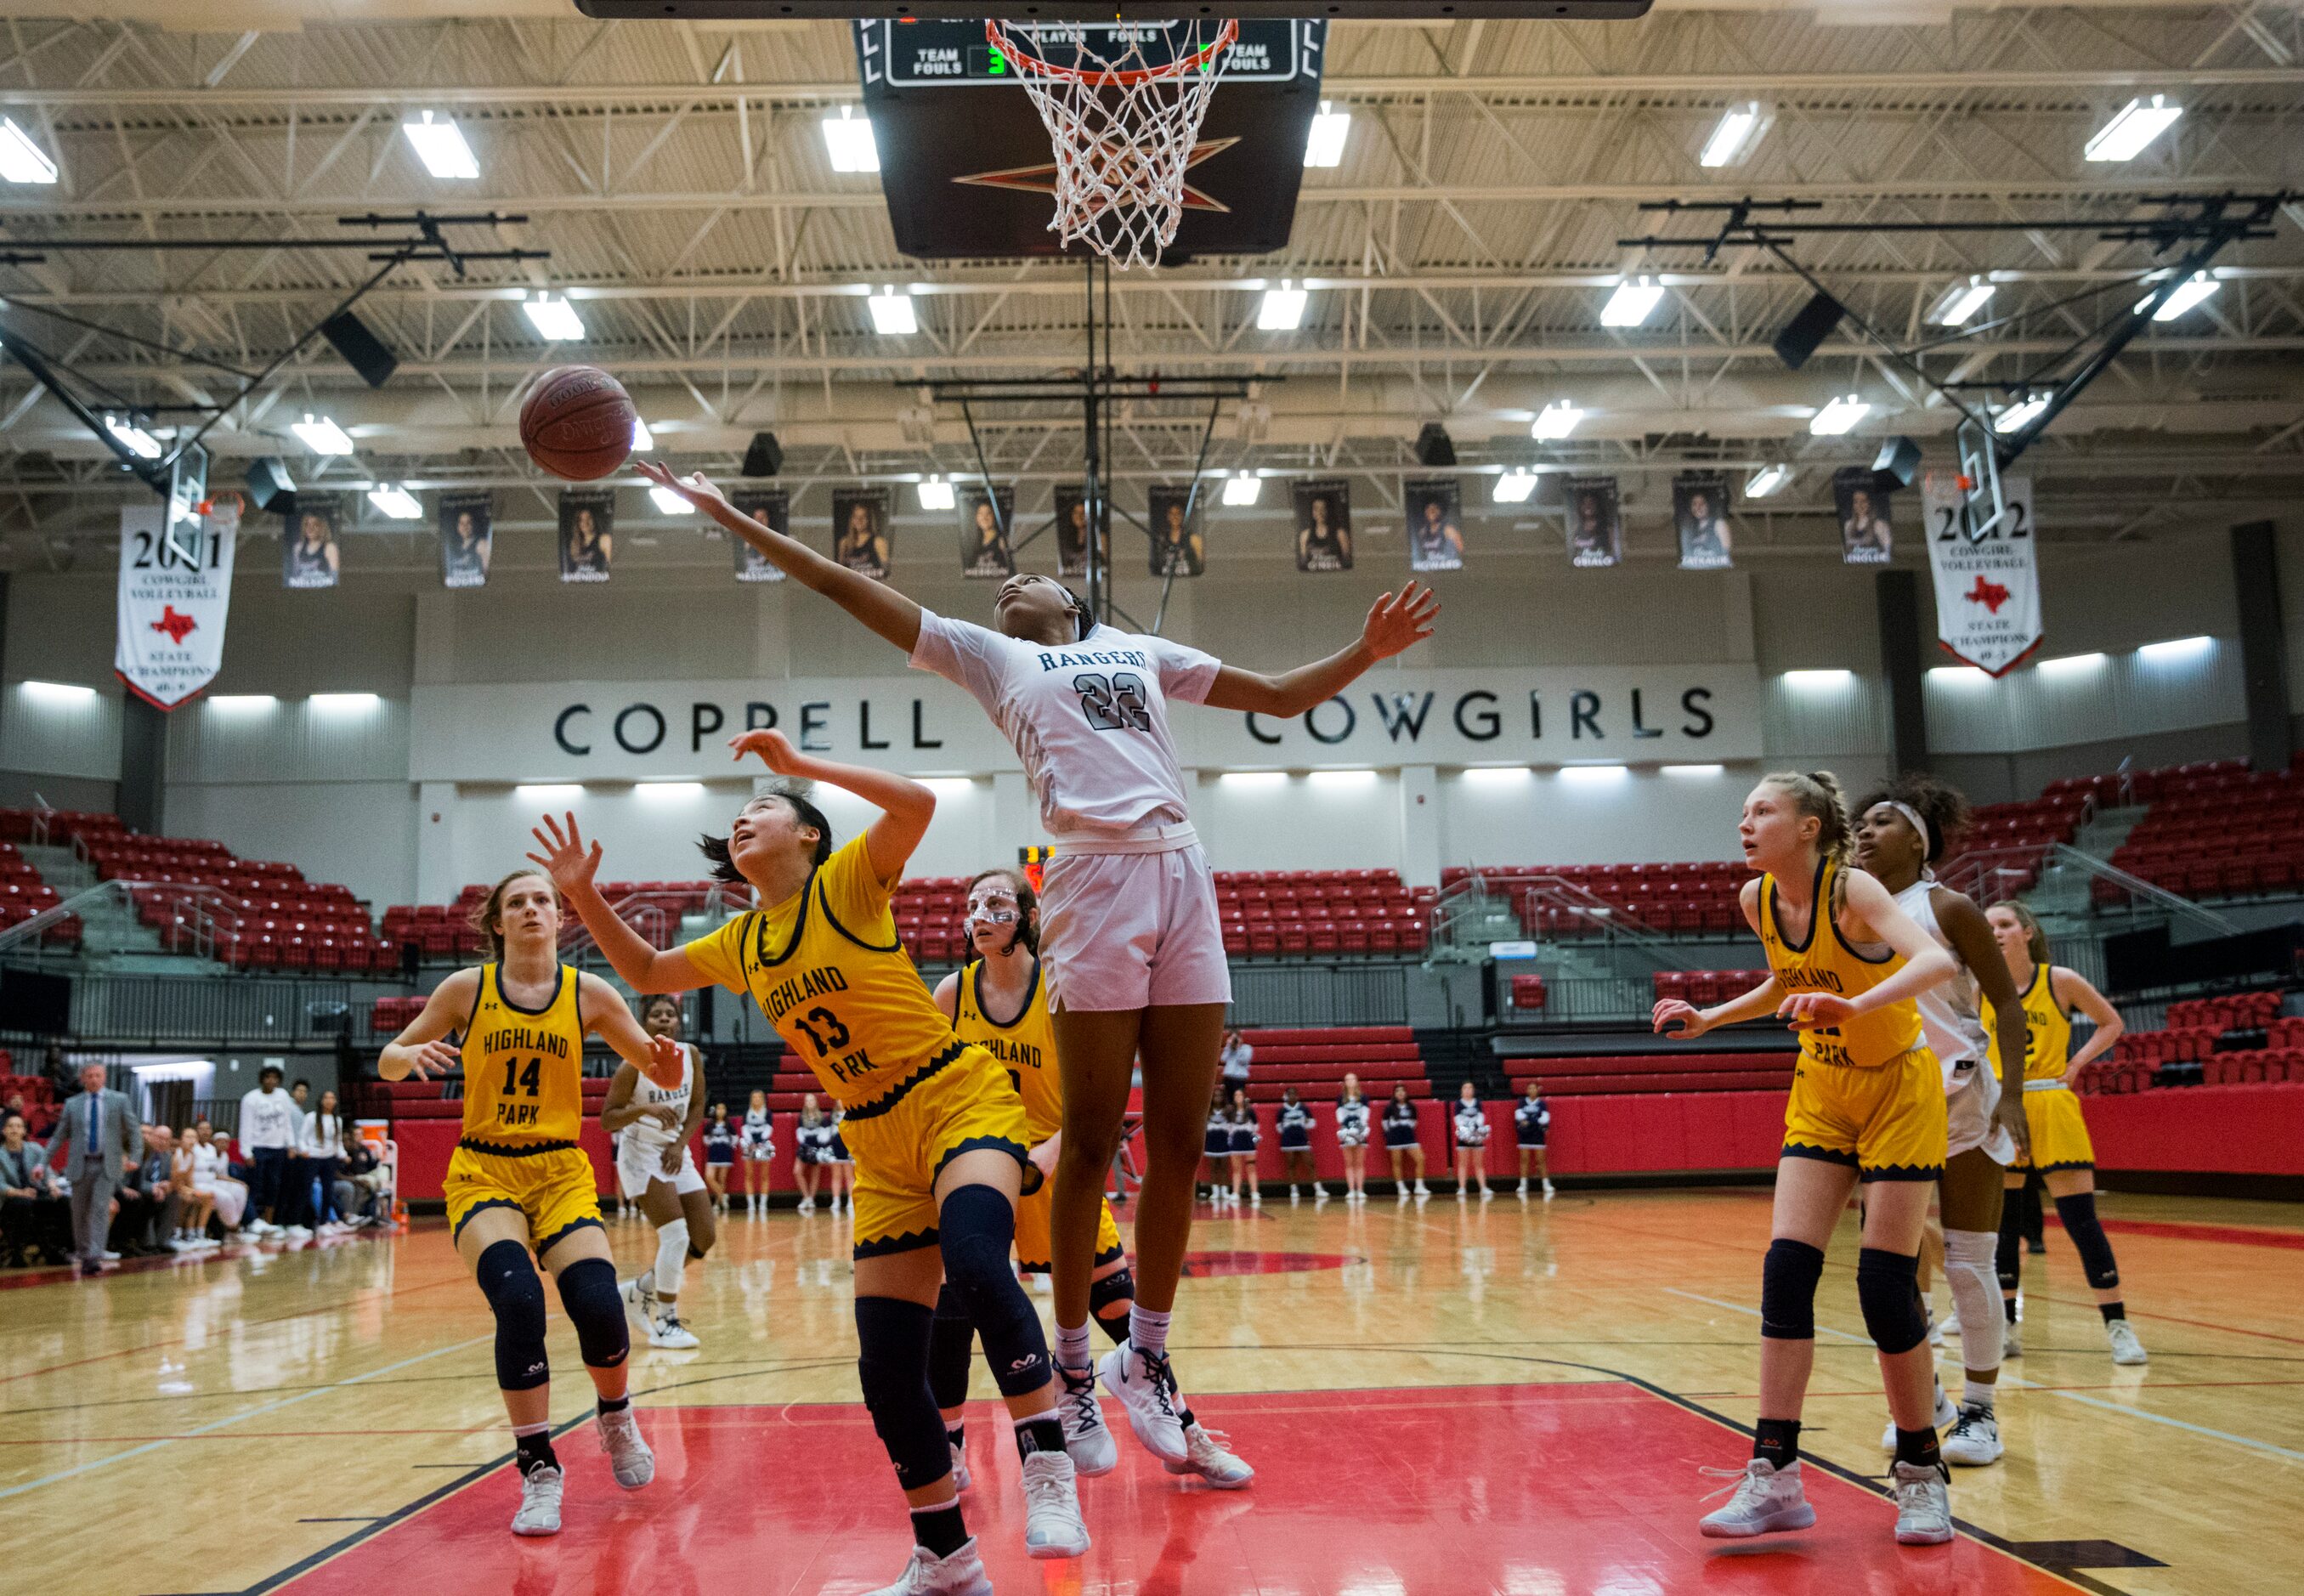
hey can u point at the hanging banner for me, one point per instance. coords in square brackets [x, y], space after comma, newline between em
[1596, 522]
[859, 529]
[309, 554]
[1988, 591]
[1866, 509]
[1699, 511]
[1323, 524]
[1071, 532]
[172, 610]
[587, 533]
[1436, 523]
[772, 508]
[986, 549]
[1178, 550]
[467, 538]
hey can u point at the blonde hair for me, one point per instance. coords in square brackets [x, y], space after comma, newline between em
[1816, 793]
[2035, 939]
[483, 918]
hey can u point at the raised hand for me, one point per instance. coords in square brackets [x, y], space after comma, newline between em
[1398, 621]
[1813, 1011]
[1676, 1011]
[565, 858]
[665, 1062]
[697, 488]
[774, 748]
[434, 1058]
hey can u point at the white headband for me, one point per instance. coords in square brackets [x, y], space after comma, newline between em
[1919, 825]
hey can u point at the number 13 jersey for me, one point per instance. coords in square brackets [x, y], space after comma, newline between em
[826, 968]
[1088, 719]
[524, 1068]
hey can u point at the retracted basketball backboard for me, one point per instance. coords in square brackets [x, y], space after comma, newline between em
[1105, 11]
[1984, 503]
[188, 506]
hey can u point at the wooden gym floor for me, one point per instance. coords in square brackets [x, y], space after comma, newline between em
[1440, 1399]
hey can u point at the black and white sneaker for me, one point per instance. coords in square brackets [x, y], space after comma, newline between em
[1087, 1437]
[1145, 1388]
[1975, 1438]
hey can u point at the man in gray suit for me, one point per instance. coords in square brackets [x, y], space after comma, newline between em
[99, 1135]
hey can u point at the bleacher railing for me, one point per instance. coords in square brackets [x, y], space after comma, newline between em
[1471, 898]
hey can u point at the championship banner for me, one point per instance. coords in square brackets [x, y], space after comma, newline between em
[859, 529]
[1436, 523]
[1866, 510]
[587, 533]
[171, 612]
[1699, 512]
[1596, 522]
[467, 538]
[1178, 549]
[1988, 591]
[987, 520]
[309, 557]
[1071, 532]
[1324, 524]
[772, 508]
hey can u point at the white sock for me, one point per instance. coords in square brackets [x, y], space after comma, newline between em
[1146, 1331]
[1977, 1395]
[1072, 1347]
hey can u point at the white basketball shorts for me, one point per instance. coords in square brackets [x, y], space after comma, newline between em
[1132, 929]
[638, 1163]
[1969, 1115]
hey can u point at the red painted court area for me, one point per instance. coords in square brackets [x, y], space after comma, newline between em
[1518, 1490]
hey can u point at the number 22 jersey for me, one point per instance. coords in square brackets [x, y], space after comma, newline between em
[826, 968]
[1088, 719]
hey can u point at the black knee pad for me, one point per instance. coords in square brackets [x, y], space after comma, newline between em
[2086, 1231]
[952, 1342]
[975, 1229]
[892, 1360]
[588, 1291]
[1888, 1290]
[1115, 1292]
[1788, 1278]
[516, 1297]
[2008, 1256]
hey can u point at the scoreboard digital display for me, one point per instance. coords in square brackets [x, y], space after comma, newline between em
[926, 55]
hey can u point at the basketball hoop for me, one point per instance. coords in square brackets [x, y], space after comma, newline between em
[1123, 121]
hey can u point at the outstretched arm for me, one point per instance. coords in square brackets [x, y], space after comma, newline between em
[658, 1058]
[572, 863]
[1395, 623]
[875, 603]
[905, 806]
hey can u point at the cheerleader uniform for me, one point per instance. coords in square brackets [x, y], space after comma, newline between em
[1351, 1122]
[1295, 1127]
[815, 1141]
[1530, 1118]
[1217, 1143]
[719, 1143]
[1400, 1124]
[1242, 1134]
[759, 1136]
[1472, 1124]
[837, 1150]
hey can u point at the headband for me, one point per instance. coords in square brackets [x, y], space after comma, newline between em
[1927, 833]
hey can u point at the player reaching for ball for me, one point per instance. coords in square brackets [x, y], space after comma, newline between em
[1132, 947]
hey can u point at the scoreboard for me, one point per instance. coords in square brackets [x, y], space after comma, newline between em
[929, 54]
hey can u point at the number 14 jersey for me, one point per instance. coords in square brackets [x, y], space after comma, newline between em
[524, 1068]
[1088, 719]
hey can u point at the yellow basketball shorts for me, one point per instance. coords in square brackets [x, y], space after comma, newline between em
[2059, 1135]
[902, 1140]
[1033, 1253]
[1887, 1124]
[553, 1185]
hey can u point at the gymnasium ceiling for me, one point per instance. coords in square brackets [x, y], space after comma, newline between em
[1461, 254]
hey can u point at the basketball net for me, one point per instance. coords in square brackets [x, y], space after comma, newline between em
[1124, 124]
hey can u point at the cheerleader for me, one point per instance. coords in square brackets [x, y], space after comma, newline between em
[811, 1151]
[1400, 1140]
[1133, 947]
[756, 1144]
[840, 1166]
[1296, 1145]
[1530, 1121]
[1352, 1138]
[2060, 1146]
[1867, 1108]
[1471, 1127]
[1215, 1147]
[719, 1153]
[1241, 1137]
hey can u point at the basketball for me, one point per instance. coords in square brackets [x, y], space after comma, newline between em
[578, 423]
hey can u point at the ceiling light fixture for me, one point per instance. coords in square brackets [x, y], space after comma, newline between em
[2137, 124]
[1633, 302]
[1514, 487]
[554, 319]
[1840, 415]
[1244, 488]
[1555, 421]
[1330, 128]
[321, 435]
[848, 140]
[2021, 413]
[1735, 135]
[395, 501]
[2187, 295]
[441, 147]
[1767, 480]
[668, 503]
[1959, 303]
[20, 159]
[133, 437]
[893, 315]
[1283, 310]
[935, 494]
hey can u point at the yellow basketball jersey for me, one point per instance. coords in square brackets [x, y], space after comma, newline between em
[1826, 963]
[2047, 1030]
[826, 968]
[524, 1068]
[1026, 1048]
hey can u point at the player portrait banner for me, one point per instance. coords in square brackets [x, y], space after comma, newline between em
[310, 555]
[467, 538]
[172, 610]
[1700, 514]
[1071, 532]
[1178, 548]
[1866, 511]
[1436, 523]
[988, 523]
[772, 508]
[587, 533]
[1988, 591]
[1596, 522]
[859, 529]
[1323, 524]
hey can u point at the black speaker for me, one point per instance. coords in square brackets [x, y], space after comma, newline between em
[764, 457]
[1806, 331]
[1434, 447]
[1896, 464]
[37, 1002]
[267, 481]
[362, 350]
